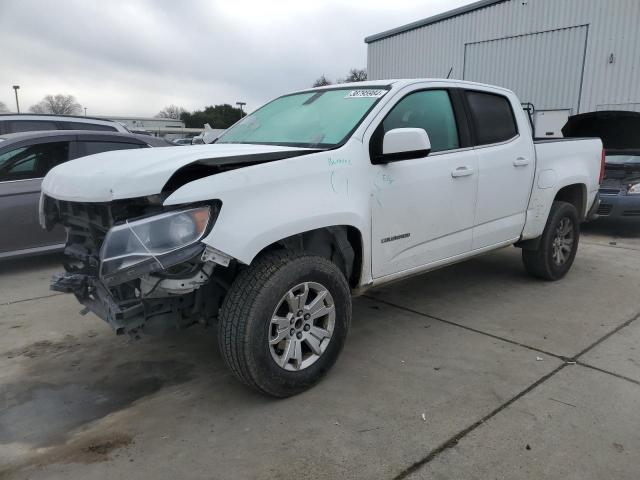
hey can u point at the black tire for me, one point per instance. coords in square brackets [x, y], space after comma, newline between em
[540, 263]
[245, 316]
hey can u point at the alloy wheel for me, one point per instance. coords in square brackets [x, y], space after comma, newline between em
[301, 326]
[563, 241]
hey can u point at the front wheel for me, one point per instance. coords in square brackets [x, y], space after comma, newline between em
[284, 322]
[558, 244]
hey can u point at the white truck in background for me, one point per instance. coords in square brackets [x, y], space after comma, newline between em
[208, 135]
[317, 196]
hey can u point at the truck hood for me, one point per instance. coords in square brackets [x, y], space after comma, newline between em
[141, 172]
[619, 130]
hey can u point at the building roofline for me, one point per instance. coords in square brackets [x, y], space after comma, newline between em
[114, 118]
[81, 117]
[434, 19]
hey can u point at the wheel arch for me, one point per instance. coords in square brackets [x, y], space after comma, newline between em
[341, 244]
[576, 195]
[573, 193]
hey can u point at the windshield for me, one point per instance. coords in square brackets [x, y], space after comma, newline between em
[323, 118]
[622, 159]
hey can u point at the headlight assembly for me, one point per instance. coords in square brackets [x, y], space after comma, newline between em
[634, 189]
[152, 243]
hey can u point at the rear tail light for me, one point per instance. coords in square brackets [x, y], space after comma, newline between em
[602, 161]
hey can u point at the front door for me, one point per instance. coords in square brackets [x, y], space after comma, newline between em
[423, 209]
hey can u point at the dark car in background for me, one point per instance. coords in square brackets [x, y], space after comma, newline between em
[25, 158]
[620, 134]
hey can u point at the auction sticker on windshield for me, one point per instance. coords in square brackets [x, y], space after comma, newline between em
[369, 93]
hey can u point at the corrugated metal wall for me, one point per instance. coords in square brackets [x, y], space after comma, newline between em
[529, 63]
[603, 33]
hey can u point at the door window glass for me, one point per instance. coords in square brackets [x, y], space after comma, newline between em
[91, 148]
[88, 126]
[33, 161]
[430, 110]
[492, 117]
[15, 126]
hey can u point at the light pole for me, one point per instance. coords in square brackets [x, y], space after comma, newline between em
[85, 111]
[240, 104]
[15, 88]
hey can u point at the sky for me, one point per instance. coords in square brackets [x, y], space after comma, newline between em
[134, 57]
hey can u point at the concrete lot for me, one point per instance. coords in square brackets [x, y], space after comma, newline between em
[474, 371]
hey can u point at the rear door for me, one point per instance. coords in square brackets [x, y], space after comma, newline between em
[506, 160]
[22, 168]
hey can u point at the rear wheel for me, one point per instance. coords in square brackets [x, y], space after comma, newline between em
[558, 244]
[284, 322]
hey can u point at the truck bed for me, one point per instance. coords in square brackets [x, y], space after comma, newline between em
[569, 158]
[560, 162]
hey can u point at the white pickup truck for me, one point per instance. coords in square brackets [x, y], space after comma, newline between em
[317, 196]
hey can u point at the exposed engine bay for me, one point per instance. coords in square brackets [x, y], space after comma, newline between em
[619, 178]
[620, 187]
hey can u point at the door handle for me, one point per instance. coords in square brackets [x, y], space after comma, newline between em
[462, 172]
[520, 162]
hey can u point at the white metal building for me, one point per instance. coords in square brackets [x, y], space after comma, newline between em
[168, 128]
[148, 124]
[563, 56]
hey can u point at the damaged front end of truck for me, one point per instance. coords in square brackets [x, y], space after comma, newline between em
[140, 266]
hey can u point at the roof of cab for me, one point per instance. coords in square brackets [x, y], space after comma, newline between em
[402, 82]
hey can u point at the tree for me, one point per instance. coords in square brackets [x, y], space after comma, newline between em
[171, 111]
[3, 108]
[322, 81]
[57, 104]
[218, 116]
[356, 75]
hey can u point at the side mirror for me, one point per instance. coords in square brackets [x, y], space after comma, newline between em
[404, 144]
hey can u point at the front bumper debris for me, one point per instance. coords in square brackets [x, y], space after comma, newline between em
[123, 317]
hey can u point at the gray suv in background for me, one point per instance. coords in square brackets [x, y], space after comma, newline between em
[27, 122]
[25, 158]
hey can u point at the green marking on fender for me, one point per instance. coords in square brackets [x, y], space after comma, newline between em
[339, 162]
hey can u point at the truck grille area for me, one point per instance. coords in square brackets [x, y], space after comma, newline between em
[88, 223]
[119, 301]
